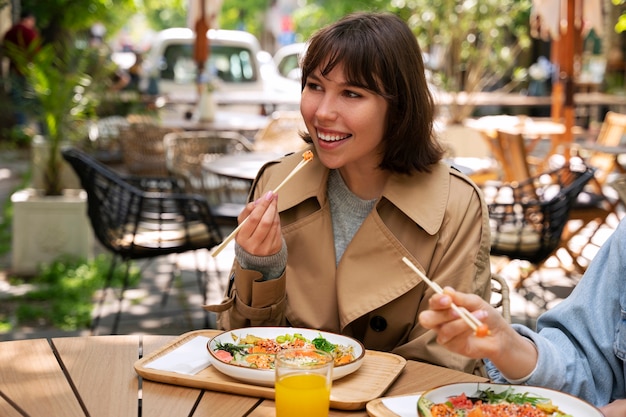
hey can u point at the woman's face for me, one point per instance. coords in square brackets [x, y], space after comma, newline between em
[345, 122]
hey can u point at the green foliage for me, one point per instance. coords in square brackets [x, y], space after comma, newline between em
[248, 15]
[57, 18]
[321, 13]
[6, 218]
[63, 292]
[5, 227]
[471, 43]
[163, 14]
[61, 79]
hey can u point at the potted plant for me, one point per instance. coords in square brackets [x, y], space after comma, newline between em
[50, 217]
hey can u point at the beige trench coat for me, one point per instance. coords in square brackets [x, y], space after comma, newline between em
[438, 220]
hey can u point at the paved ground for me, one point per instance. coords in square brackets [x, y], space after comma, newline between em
[143, 312]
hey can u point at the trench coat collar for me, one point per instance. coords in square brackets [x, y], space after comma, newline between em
[421, 196]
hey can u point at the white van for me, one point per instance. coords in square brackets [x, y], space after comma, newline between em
[235, 58]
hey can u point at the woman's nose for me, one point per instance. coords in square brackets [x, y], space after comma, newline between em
[326, 108]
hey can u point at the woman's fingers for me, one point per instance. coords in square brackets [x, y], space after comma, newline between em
[261, 235]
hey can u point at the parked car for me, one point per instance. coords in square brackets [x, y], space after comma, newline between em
[287, 60]
[236, 59]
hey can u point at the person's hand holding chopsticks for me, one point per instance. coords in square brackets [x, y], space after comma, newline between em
[512, 353]
[259, 223]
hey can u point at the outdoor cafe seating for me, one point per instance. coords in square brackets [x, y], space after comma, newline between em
[142, 218]
[527, 218]
[185, 154]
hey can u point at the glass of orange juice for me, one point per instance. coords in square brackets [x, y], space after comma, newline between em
[303, 381]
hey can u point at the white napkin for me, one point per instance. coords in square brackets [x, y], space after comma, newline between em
[188, 358]
[404, 406]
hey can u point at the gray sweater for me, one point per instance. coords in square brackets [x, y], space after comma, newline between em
[347, 212]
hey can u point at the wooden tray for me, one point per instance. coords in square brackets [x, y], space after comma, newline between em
[376, 408]
[352, 392]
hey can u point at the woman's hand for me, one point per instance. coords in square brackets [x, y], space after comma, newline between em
[260, 235]
[615, 409]
[514, 355]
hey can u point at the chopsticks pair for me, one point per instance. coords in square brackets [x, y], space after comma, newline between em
[306, 157]
[479, 328]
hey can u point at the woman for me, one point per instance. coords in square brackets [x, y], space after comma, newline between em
[580, 345]
[327, 253]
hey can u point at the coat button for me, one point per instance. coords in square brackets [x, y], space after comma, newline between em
[378, 323]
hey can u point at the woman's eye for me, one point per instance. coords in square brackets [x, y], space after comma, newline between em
[351, 94]
[313, 86]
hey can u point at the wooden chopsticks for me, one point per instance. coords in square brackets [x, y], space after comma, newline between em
[306, 157]
[479, 327]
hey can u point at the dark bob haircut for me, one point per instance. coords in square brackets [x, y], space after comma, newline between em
[379, 52]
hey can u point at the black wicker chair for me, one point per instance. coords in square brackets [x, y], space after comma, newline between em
[185, 153]
[142, 218]
[528, 218]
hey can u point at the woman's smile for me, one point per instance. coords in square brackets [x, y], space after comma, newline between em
[346, 121]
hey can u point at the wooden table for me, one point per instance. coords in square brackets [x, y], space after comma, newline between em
[528, 127]
[531, 129]
[94, 376]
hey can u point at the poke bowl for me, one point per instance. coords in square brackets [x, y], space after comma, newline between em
[247, 354]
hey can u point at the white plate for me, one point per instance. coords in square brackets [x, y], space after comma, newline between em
[566, 403]
[266, 376]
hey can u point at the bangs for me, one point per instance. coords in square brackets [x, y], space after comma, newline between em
[360, 65]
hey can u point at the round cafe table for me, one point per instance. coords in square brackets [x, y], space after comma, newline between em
[241, 166]
[526, 126]
[95, 376]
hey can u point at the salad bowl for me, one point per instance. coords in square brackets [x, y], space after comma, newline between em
[247, 354]
[566, 404]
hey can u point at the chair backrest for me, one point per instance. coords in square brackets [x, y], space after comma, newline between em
[528, 225]
[185, 152]
[282, 133]
[141, 217]
[501, 298]
[142, 149]
[611, 134]
[511, 152]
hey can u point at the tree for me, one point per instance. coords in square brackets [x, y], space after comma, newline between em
[59, 20]
[163, 14]
[471, 45]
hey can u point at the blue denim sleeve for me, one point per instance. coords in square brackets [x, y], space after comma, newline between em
[582, 341]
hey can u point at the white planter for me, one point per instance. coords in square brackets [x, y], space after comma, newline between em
[46, 227]
[39, 156]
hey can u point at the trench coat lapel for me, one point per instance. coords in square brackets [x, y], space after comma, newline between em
[359, 283]
[422, 197]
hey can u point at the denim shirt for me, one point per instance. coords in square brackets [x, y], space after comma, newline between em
[582, 341]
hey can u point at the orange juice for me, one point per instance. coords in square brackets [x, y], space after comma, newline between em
[302, 395]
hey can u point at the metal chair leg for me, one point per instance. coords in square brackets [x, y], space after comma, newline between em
[105, 288]
[118, 315]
